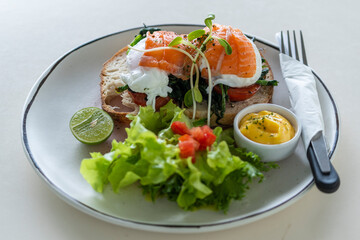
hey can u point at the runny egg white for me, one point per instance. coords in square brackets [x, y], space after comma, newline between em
[152, 81]
[233, 80]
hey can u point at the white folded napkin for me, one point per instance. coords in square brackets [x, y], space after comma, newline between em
[303, 96]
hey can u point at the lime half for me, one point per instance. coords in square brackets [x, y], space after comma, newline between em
[91, 125]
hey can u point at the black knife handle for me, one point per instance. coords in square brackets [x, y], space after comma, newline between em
[325, 182]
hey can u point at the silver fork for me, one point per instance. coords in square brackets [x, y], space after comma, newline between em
[326, 177]
[293, 45]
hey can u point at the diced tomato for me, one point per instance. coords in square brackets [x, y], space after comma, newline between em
[185, 137]
[194, 139]
[204, 136]
[187, 150]
[180, 128]
[198, 135]
[240, 94]
[188, 138]
[140, 99]
[188, 147]
[209, 136]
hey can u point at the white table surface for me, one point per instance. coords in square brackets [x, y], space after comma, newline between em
[34, 33]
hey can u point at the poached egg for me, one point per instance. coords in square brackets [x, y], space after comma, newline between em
[152, 81]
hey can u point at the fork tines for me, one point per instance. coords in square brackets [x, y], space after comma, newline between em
[291, 49]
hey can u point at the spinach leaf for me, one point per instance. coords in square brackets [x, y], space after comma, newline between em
[262, 80]
[142, 35]
[267, 83]
[146, 29]
[264, 71]
[218, 101]
[122, 88]
[179, 89]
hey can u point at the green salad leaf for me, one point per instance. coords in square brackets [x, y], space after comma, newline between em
[95, 170]
[150, 156]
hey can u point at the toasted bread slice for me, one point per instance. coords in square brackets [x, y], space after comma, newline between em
[119, 105]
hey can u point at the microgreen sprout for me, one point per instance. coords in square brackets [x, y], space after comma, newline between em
[225, 44]
[195, 92]
[208, 20]
[196, 34]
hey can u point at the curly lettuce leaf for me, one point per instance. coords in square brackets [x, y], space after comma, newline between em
[192, 188]
[250, 157]
[95, 170]
[232, 188]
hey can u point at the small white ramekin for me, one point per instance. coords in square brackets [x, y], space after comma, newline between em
[268, 152]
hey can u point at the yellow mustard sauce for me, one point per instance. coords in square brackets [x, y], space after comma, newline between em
[266, 127]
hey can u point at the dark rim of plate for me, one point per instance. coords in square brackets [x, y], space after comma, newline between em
[104, 216]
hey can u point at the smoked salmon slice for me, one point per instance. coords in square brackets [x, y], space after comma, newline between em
[242, 61]
[171, 61]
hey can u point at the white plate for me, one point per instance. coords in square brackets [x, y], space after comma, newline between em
[72, 82]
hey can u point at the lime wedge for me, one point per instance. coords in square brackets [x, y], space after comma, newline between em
[91, 125]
